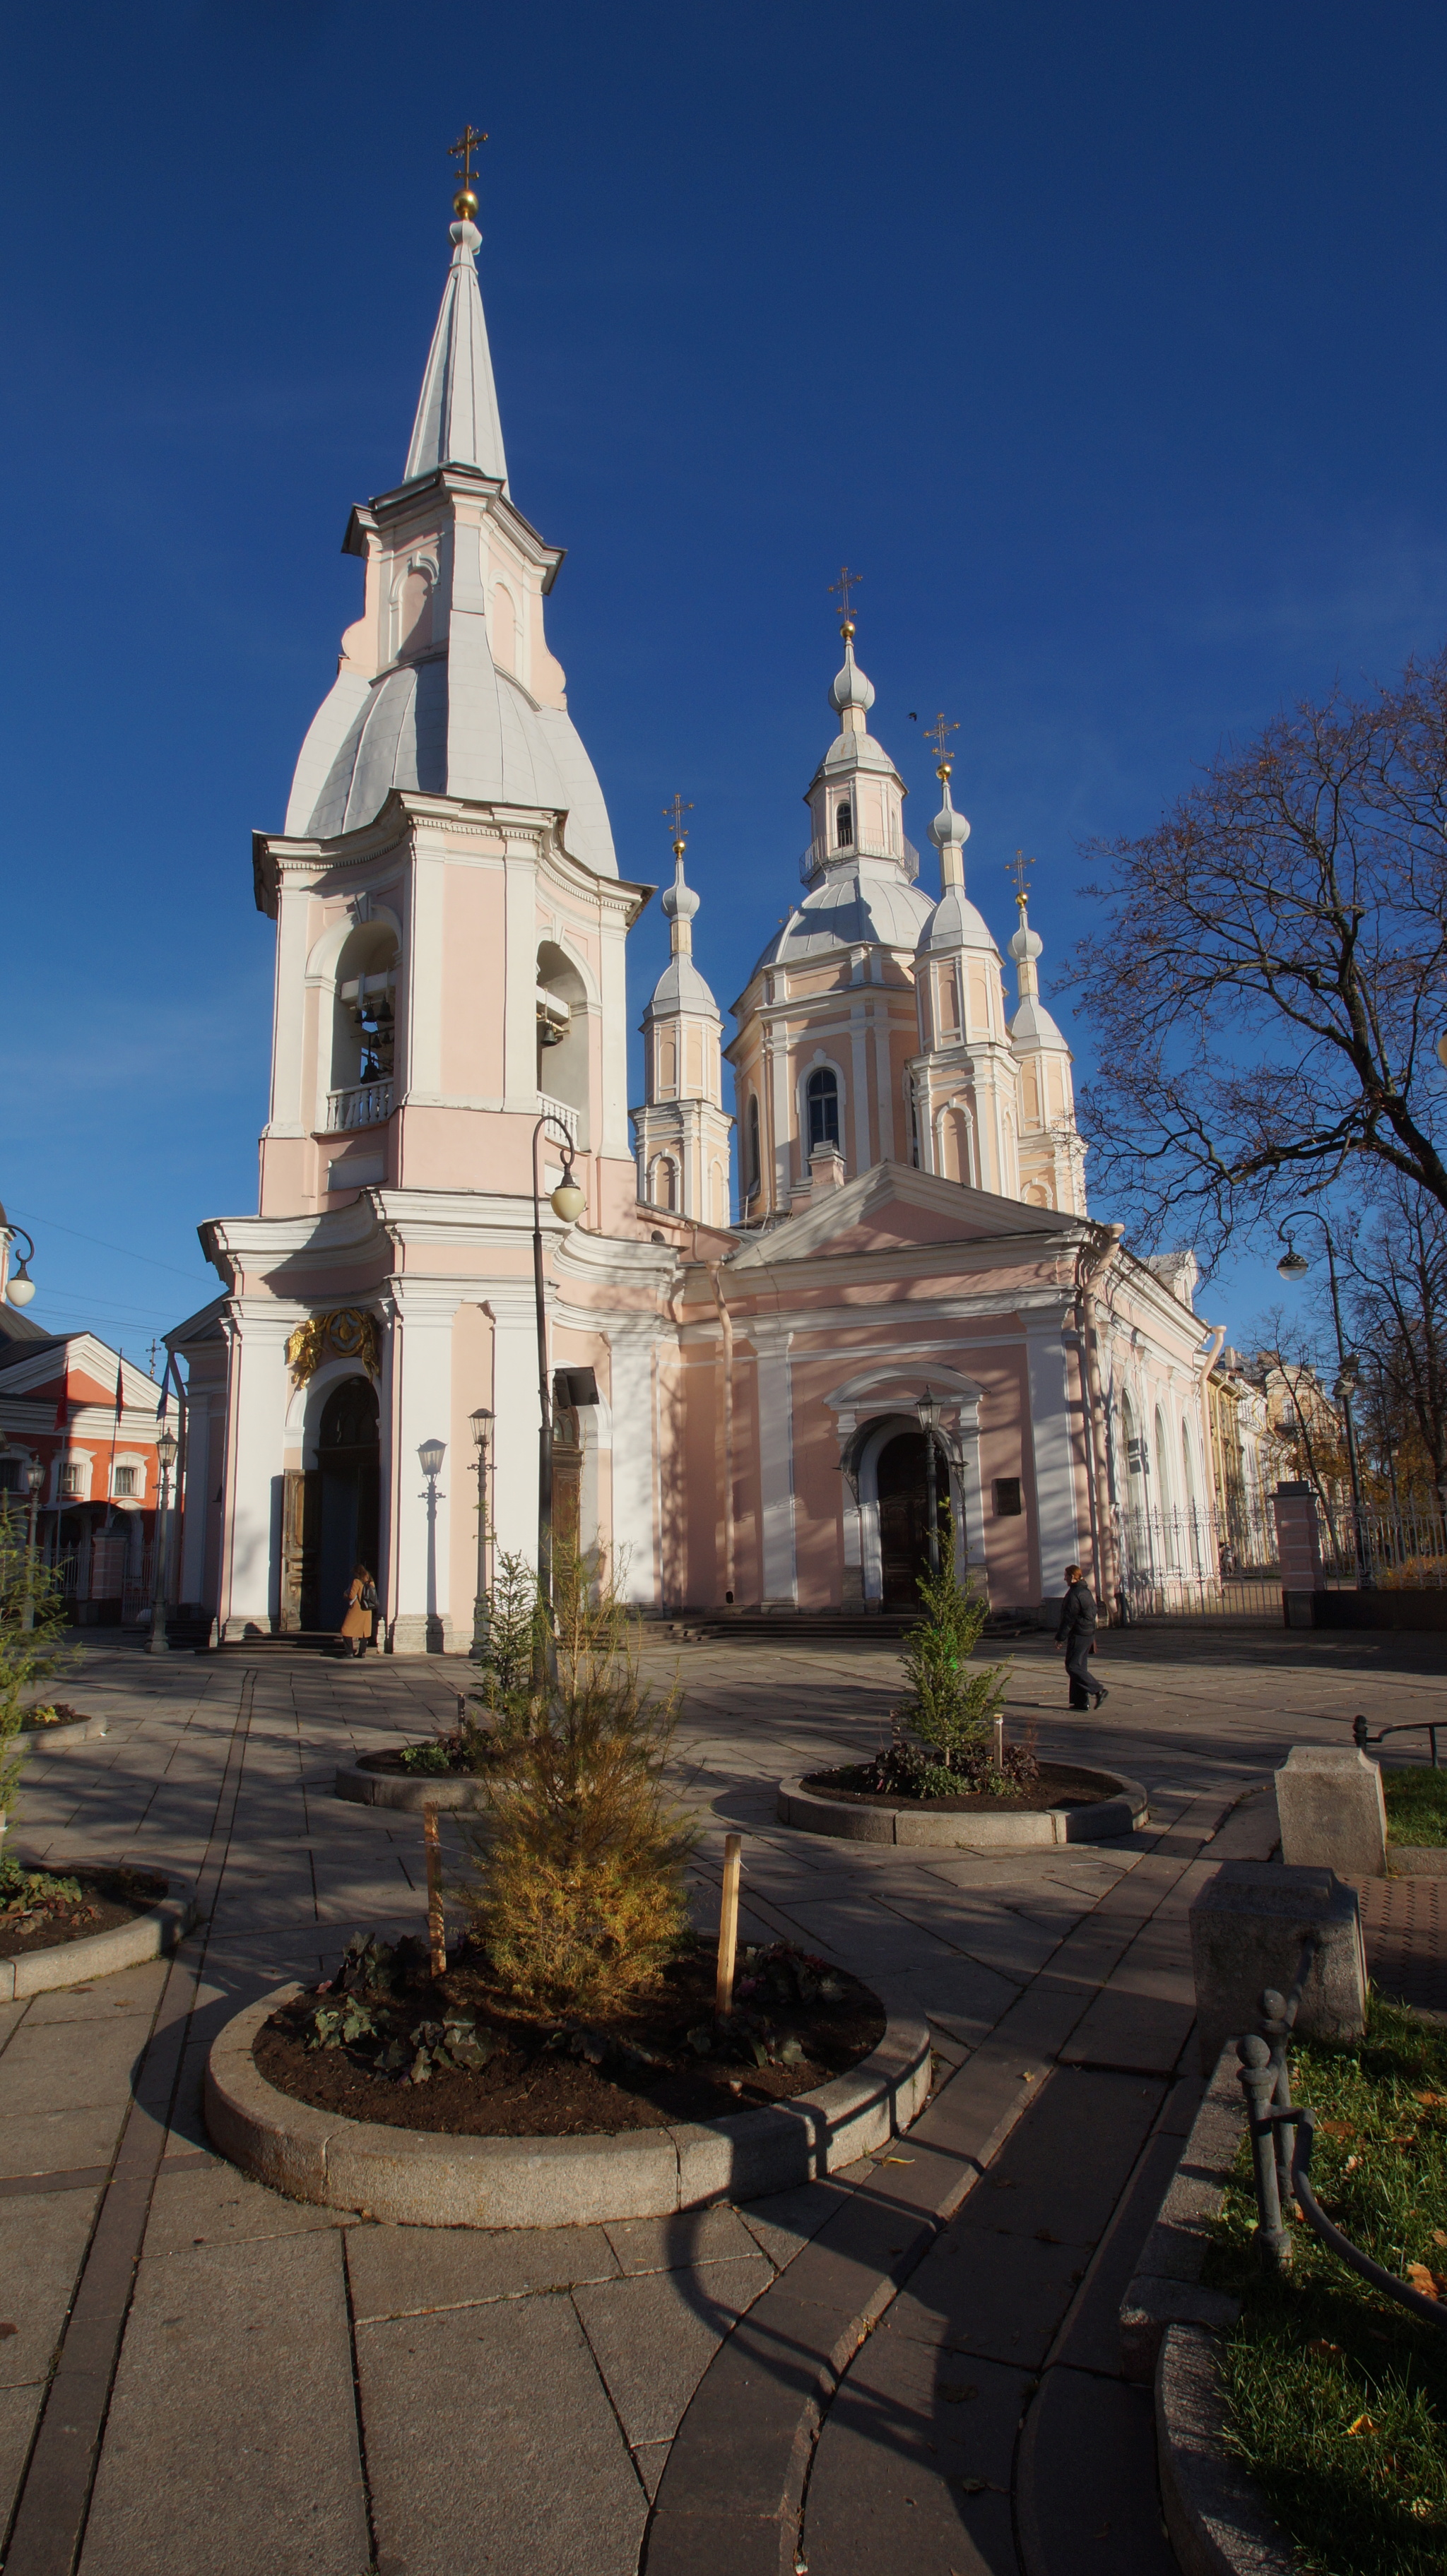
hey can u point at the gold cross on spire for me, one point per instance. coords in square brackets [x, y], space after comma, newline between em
[673, 816]
[939, 734]
[1019, 868]
[847, 581]
[465, 201]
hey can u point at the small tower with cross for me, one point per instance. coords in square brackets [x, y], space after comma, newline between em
[682, 1129]
[1052, 1150]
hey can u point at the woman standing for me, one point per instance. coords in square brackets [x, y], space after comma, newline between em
[357, 1624]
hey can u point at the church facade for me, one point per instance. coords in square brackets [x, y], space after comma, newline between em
[745, 1316]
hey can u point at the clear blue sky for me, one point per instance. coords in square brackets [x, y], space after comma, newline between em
[1108, 344]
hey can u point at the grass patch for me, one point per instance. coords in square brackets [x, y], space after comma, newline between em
[1338, 2397]
[1416, 1798]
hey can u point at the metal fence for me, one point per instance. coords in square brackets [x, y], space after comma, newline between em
[1197, 1562]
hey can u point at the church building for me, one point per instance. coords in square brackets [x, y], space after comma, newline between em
[758, 1309]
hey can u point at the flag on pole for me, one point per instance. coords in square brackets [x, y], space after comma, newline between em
[115, 1429]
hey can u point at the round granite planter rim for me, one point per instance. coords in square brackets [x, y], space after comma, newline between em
[1120, 1809]
[67, 1730]
[457, 1792]
[126, 1945]
[422, 2178]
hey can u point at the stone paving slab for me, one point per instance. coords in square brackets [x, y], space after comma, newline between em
[220, 1768]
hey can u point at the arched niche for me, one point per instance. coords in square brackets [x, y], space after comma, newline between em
[364, 1006]
[563, 1011]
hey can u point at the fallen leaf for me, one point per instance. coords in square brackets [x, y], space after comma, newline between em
[1421, 2279]
[1438, 2238]
[1336, 2128]
[1433, 2101]
[1351, 2164]
[1102, 2533]
[1043, 2236]
[1319, 2343]
[894, 2160]
[10, 2330]
[972, 2486]
[1363, 2424]
[958, 2392]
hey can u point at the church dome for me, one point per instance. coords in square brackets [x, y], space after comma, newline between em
[868, 904]
[1026, 943]
[851, 689]
[954, 922]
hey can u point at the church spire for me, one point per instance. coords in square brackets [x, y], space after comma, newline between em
[1026, 945]
[457, 419]
[949, 831]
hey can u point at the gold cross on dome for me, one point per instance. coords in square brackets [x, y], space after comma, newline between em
[939, 734]
[847, 581]
[1019, 868]
[673, 816]
[463, 150]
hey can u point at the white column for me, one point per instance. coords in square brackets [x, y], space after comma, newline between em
[884, 1089]
[289, 1117]
[198, 1494]
[515, 1435]
[776, 1469]
[1056, 1531]
[781, 1068]
[422, 1076]
[859, 1084]
[520, 981]
[635, 1477]
[610, 1132]
[421, 1409]
[258, 1388]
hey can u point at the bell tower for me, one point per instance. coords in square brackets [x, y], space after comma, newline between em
[682, 1129]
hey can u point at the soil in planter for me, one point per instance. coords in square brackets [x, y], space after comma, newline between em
[41, 1909]
[797, 2023]
[46, 1714]
[1050, 1789]
[452, 1756]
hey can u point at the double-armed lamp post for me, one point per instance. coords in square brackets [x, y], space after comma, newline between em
[1294, 1265]
[158, 1643]
[481, 1422]
[928, 1410]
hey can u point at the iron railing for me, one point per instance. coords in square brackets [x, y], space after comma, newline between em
[1282, 2136]
[1195, 1560]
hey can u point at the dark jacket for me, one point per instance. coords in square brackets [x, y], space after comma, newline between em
[1077, 1613]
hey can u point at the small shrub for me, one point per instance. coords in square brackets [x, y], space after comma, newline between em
[577, 1891]
[903, 1770]
[949, 1705]
[27, 1655]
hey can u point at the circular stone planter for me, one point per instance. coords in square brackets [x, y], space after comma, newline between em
[1117, 1806]
[126, 1945]
[456, 1792]
[417, 2179]
[71, 1730]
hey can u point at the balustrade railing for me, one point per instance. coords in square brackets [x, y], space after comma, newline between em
[565, 1114]
[366, 1104]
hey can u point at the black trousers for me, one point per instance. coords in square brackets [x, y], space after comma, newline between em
[1083, 1684]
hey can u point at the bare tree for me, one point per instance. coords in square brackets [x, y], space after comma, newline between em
[1267, 986]
[1395, 1276]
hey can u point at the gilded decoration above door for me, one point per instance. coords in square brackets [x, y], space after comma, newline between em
[347, 1333]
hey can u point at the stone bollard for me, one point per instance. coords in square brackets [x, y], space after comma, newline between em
[1247, 1929]
[1332, 1811]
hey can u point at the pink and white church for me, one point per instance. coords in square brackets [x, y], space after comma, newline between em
[903, 1159]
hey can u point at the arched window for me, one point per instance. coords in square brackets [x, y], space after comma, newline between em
[663, 1182]
[364, 1027]
[754, 1169]
[844, 825]
[823, 1098]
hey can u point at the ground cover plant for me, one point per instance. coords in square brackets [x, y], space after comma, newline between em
[509, 1688]
[1416, 1798]
[386, 2040]
[1338, 2397]
[41, 1909]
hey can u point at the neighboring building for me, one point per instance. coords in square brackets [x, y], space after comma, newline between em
[1248, 1459]
[450, 968]
[97, 1506]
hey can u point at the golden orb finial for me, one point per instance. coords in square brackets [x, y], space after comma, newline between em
[464, 205]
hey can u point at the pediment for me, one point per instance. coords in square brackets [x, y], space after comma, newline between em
[894, 1208]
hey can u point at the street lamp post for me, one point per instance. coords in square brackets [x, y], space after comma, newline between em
[20, 1288]
[158, 1643]
[567, 1201]
[430, 1455]
[929, 1413]
[481, 1422]
[1294, 1265]
[34, 1479]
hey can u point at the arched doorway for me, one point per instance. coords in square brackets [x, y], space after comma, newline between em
[347, 1492]
[900, 1480]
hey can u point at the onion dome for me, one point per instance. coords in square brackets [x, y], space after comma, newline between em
[851, 690]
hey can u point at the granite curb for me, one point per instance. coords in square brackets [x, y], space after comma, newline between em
[80, 1730]
[127, 1945]
[1167, 2289]
[914, 1828]
[417, 2178]
[1217, 2522]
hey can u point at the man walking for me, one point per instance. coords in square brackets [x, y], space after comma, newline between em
[1076, 1633]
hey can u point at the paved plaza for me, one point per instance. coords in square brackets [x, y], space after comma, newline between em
[912, 2364]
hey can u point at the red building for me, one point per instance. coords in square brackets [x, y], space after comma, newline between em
[89, 1418]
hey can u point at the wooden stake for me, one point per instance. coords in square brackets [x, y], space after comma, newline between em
[728, 1925]
[436, 1928]
[999, 1744]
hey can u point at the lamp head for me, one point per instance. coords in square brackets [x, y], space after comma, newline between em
[21, 1288]
[166, 1448]
[927, 1407]
[430, 1455]
[35, 1475]
[567, 1201]
[1350, 1375]
[481, 1422]
[1293, 1264]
